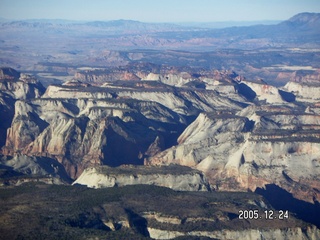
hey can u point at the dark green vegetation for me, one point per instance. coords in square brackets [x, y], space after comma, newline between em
[39, 211]
[144, 170]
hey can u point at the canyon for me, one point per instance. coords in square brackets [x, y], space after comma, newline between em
[188, 131]
[166, 119]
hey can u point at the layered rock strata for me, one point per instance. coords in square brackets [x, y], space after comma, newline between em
[175, 177]
[255, 147]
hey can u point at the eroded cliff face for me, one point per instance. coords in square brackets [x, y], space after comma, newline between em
[237, 135]
[184, 101]
[306, 76]
[175, 177]
[84, 132]
[291, 233]
[21, 169]
[82, 125]
[309, 92]
[245, 134]
[19, 86]
[103, 77]
[255, 147]
[14, 86]
[173, 76]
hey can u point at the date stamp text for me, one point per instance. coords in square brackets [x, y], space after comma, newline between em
[267, 214]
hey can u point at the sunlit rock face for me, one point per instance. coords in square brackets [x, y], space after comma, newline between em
[309, 92]
[85, 132]
[82, 125]
[22, 168]
[255, 147]
[175, 177]
[294, 233]
[14, 86]
[242, 134]
[19, 86]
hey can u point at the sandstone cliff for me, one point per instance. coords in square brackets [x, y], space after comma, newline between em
[19, 86]
[245, 132]
[308, 92]
[86, 132]
[173, 76]
[253, 148]
[306, 76]
[175, 177]
[82, 125]
[291, 233]
[20, 169]
[14, 86]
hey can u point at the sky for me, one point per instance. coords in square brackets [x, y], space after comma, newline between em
[157, 10]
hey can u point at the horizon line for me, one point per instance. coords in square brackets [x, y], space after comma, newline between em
[133, 20]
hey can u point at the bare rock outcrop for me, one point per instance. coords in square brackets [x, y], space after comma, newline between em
[87, 132]
[14, 86]
[305, 92]
[31, 169]
[19, 86]
[247, 134]
[306, 77]
[7, 73]
[183, 101]
[251, 149]
[292, 233]
[140, 71]
[175, 177]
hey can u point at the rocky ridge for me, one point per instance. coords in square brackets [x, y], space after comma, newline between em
[304, 91]
[70, 122]
[140, 211]
[175, 177]
[293, 233]
[82, 132]
[170, 75]
[14, 86]
[238, 132]
[254, 147]
[232, 133]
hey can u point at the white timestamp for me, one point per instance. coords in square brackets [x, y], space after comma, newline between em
[267, 214]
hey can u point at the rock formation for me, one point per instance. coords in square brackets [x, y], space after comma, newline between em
[84, 132]
[256, 146]
[162, 117]
[14, 86]
[175, 177]
[309, 92]
[242, 134]
[293, 233]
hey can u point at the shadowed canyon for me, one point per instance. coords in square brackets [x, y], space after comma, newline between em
[160, 131]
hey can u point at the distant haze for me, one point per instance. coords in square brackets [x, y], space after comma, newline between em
[157, 11]
[225, 24]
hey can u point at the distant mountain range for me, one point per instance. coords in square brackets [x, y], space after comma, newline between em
[305, 21]
[206, 25]
[303, 27]
[109, 27]
[225, 24]
[112, 43]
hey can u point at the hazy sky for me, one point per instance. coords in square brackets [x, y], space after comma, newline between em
[157, 10]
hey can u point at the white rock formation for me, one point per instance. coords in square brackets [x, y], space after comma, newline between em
[305, 92]
[268, 149]
[183, 101]
[265, 92]
[177, 178]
